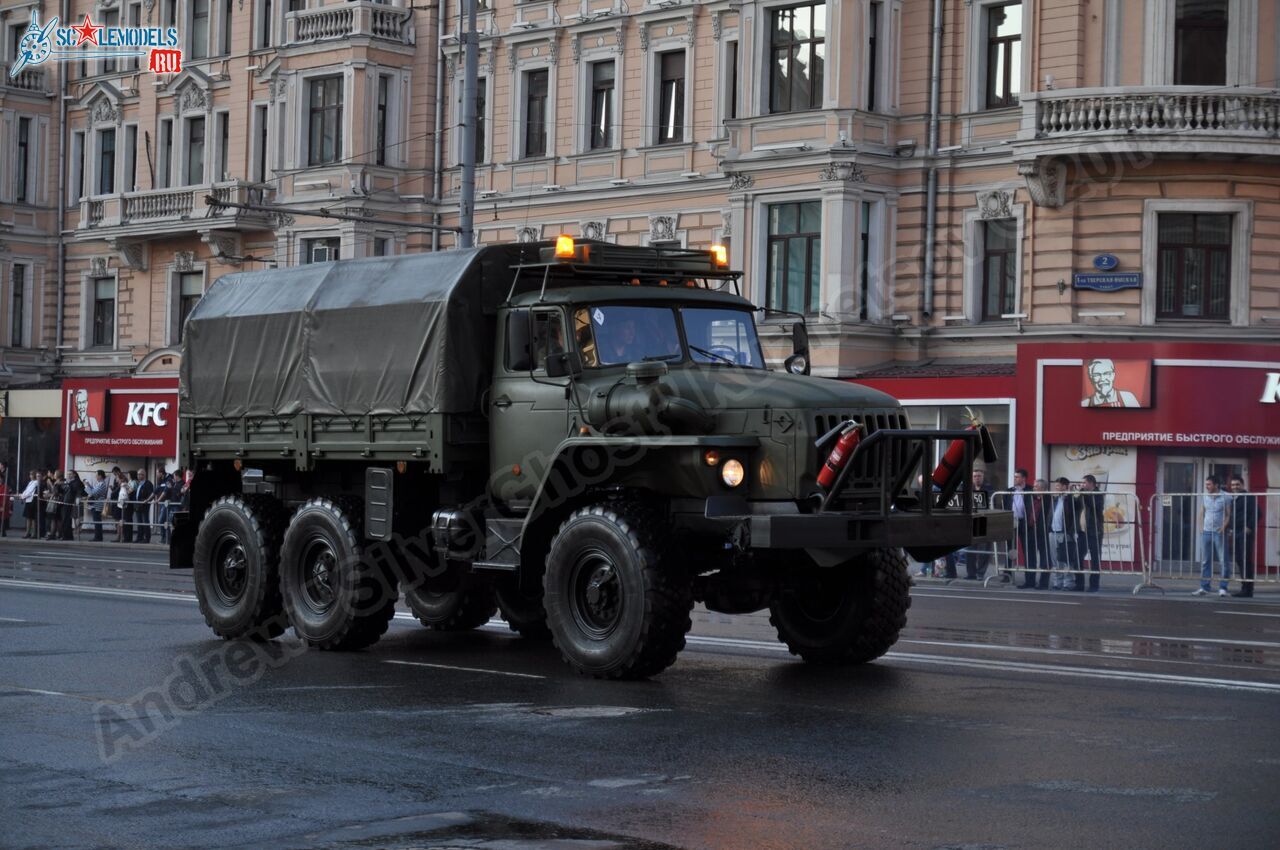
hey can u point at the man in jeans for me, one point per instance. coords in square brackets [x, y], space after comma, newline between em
[97, 495]
[1243, 528]
[1216, 507]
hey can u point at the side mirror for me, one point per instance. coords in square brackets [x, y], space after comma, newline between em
[564, 364]
[519, 337]
[798, 362]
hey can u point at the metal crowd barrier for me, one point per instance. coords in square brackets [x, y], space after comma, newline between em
[1102, 535]
[134, 521]
[1245, 551]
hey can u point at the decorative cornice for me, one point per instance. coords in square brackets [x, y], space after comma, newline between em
[662, 228]
[842, 172]
[739, 182]
[1046, 182]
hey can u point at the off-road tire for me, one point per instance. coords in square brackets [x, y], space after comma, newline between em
[871, 595]
[525, 614]
[468, 607]
[256, 524]
[363, 593]
[654, 594]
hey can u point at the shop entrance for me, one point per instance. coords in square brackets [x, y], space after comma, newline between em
[1177, 517]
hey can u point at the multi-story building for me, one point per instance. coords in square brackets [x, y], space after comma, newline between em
[930, 183]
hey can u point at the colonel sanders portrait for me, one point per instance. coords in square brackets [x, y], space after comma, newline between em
[1102, 377]
[84, 421]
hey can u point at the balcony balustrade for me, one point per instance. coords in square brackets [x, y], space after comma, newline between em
[329, 23]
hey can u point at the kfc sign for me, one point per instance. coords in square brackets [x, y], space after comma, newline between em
[1271, 394]
[143, 413]
[114, 418]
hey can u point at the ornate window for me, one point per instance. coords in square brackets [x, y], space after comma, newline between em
[798, 51]
[1004, 54]
[1193, 277]
[794, 256]
[325, 121]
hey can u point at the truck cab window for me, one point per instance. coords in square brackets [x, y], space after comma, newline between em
[614, 335]
[548, 337]
[727, 337]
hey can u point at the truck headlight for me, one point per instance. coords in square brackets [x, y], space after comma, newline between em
[732, 473]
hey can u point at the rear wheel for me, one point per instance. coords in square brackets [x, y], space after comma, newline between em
[850, 614]
[454, 602]
[335, 598]
[236, 567]
[616, 606]
[522, 609]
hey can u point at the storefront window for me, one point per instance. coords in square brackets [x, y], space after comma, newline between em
[996, 418]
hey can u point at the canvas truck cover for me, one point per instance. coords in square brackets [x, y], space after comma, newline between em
[386, 335]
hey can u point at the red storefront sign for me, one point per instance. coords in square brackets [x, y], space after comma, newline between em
[1194, 403]
[120, 417]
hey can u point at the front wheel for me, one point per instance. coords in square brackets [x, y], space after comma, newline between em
[617, 607]
[849, 614]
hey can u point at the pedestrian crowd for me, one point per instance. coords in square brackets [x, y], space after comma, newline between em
[1059, 529]
[55, 506]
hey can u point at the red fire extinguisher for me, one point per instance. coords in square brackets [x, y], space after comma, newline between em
[850, 436]
[954, 455]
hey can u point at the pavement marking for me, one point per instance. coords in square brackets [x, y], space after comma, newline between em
[993, 598]
[13, 620]
[97, 591]
[466, 669]
[47, 693]
[1248, 614]
[93, 560]
[1181, 639]
[1084, 672]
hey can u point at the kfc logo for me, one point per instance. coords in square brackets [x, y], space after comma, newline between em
[1271, 393]
[88, 409]
[144, 413]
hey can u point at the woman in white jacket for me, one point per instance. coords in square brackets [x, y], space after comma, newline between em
[29, 506]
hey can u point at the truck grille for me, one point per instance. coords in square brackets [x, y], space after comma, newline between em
[862, 481]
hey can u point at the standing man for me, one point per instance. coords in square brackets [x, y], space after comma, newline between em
[1243, 528]
[1091, 500]
[97, 495]
[143, 509]
[161, 499]
[1216, 508]
[975, 559]
[1064, 531]
[1023, 518]
[1041, 520]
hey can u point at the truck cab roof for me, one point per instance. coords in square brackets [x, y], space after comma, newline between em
[584, 291]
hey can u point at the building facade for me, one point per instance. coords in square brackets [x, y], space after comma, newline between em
[932, 184]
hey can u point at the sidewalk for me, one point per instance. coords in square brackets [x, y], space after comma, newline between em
[18, 541]
[1113, 584]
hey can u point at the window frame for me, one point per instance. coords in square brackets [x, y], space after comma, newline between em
[198, 49]
[1008, 261]
[680, 104]
[1239, 268]
[972, 285]
[976, 78]
[606, 113]
[817, 88]
[1199, 25]
[130, 182]
[309, 243]
[813, 247]
[1007, 46]
[526, 107]
[22, 179]
[19, 304]
[96, 323]
[381, 117]
[1181, 249]
[183, 309]
[325, 113]
[189, 148]
[105, 173]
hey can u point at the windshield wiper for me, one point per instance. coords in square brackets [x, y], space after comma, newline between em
[661, 356]
[717, 356]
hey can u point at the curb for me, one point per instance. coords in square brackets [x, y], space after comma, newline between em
[85, 544]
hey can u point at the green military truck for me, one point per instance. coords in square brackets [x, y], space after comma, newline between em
[583, 436]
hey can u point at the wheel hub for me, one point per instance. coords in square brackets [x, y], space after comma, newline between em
[319, 574]
[596, 595]
[231, 573]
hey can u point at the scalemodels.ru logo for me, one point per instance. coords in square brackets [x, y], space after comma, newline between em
[96, 41]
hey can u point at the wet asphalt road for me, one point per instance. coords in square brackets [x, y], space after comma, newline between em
[1003, 719]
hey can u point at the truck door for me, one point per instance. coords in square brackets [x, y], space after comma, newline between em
[528, 412]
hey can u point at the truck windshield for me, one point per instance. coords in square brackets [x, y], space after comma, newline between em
[615, 334]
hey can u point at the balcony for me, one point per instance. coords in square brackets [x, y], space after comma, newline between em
[32, 81]
[1174, 120]
[350, 20]
[163, 212]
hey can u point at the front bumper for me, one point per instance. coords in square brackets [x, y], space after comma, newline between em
[873, 531]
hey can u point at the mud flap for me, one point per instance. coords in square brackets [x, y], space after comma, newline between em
[182, 542]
